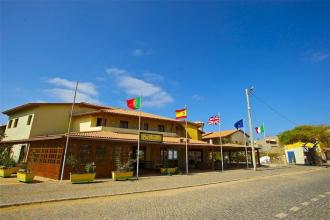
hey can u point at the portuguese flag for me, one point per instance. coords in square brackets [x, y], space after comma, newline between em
[260, 129]
[134, 103]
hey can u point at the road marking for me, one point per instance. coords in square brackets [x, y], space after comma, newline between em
[281, 215]
[294, 208]
[322, 195]
[305, 203]
[314, 199]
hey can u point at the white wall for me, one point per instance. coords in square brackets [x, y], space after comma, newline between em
[299, 154]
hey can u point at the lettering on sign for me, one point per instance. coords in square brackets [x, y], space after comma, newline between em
[151, 137]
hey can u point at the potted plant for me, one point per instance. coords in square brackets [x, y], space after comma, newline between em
[124, 171]
[24, 174]
[168, 168]
[7, 165]
[81, 175]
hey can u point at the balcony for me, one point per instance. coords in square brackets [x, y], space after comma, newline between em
[129, 131]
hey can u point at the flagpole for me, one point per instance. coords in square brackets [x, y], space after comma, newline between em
[263, 125]
[138, 147]
[246, 153]
[68, 133]
[220, 142]
[187, 171]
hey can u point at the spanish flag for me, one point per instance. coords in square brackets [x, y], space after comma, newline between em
[182, 113]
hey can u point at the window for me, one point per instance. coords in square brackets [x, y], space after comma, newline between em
[101, 154]
[145, 126]
[29, 120]
[161, 128]
[98, 122]
[123, 124]
[15, 122]
[195, 156]
[10, 123]
[85, 153]
[169, 157]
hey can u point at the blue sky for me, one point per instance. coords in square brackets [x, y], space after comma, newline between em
[195, 53]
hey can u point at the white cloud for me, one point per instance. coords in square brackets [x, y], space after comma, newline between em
[137, 53]
[140, 52]
[153, 77]
[153, 95]
[197, 97]
[64, 91]
[84, 87]
[318, 57]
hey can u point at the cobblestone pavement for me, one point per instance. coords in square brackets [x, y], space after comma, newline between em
[288, 195]
[19, 193]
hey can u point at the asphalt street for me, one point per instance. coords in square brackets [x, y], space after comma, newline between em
[288, 196]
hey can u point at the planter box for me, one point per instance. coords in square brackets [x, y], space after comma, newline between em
[14, 169]
[5, 172]
[118, 175]
[171, 170]
[25, 177]
[82, 177]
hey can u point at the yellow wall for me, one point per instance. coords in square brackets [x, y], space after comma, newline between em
[53, 119]
[193, 132]
[22, 131]
[82, 123]
[133, 123]
[46, 120]
[88, 123]
[299, 144]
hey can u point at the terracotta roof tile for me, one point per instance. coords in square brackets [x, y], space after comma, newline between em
[128, 112]
[218, 134]
[130, 137]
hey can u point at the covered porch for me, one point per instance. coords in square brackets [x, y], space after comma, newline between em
[109, 150]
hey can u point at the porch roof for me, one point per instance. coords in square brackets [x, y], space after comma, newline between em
[129, 138]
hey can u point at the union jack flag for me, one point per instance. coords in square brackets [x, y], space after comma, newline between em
[214, 120]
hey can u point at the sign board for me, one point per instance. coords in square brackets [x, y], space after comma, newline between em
[151, 137]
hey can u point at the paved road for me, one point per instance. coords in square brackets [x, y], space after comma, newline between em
[288, 196]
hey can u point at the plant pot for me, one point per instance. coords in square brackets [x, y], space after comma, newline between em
[170, 170]
[122, 175]
[14, 169]
[5, 172]
[25, 177]
[82, 177]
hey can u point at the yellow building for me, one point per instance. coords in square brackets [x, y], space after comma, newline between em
[303, 153]
[35, 119]
[107, 136]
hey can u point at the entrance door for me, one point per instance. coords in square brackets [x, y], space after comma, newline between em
[142, 156]
[292, 157]
[195, 158]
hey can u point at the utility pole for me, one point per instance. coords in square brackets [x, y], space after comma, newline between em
[69, 129]
[247, 93]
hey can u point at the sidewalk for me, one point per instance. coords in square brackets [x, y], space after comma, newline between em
[48, 190]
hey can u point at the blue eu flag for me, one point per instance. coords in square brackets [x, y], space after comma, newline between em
[239, 124]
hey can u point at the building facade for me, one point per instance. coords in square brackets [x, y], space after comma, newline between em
[108, 137]
[34, 119]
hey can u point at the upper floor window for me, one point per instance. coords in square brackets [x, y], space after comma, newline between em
[145, 126]
[29, 120]
[161, 128]
[10, 123]
[123, 124]
[15, 122]
[101, 122]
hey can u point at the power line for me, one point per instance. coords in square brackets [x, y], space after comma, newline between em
[273, 109]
